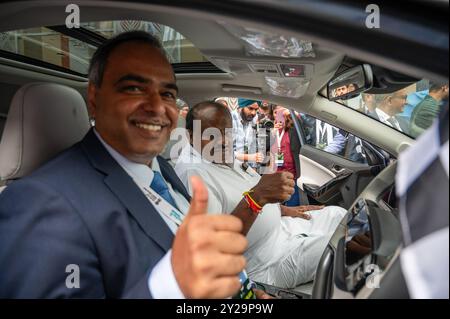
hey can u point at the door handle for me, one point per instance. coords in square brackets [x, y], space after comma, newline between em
[337, 169]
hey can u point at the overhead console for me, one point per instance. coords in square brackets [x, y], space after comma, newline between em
[281, 79]
[277, 56]
[286, 70]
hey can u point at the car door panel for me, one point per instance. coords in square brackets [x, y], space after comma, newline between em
[313, 172]
[335, 180]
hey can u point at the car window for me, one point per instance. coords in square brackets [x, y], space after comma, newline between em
[331, 139]
[410, 110]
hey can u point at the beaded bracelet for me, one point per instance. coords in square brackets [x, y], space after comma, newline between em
[252, 204]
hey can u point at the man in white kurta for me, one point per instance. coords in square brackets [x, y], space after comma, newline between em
[282, 251]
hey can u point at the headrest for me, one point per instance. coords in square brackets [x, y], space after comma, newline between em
[43, 120]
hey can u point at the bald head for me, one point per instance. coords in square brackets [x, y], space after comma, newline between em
[211, 114]
[214, 131]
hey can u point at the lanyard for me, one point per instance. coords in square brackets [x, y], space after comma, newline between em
[161, 205]
[248, 129]
[279, 138]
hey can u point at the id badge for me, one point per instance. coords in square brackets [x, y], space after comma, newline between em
[247, 286]
[279, 159]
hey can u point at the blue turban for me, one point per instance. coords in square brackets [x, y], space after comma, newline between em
[245, 102]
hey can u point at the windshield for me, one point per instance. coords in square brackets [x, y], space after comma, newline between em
[410, 110]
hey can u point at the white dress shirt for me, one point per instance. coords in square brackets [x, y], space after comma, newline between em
[161, 282]
[387, 119]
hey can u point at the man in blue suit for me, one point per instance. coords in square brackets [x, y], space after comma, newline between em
[109, 207]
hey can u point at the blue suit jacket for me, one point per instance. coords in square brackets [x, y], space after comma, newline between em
[81, 208]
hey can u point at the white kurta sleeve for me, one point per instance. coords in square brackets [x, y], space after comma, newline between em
[215, 195]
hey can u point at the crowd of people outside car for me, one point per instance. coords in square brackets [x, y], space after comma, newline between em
[410, 110]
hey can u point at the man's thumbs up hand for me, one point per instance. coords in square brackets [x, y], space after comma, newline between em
[199, 202]
[207, 253]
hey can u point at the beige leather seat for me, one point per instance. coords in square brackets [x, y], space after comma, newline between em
[43, 120]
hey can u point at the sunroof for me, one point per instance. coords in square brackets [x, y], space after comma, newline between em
[70, 51]
[178, 48]
[50, 47]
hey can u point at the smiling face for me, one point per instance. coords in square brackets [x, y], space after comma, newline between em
[135, 106]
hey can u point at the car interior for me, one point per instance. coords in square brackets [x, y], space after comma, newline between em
[43, 107]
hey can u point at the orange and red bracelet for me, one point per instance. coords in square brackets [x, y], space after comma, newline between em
[252, 204]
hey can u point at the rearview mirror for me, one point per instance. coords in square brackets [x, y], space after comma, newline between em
[350, 83]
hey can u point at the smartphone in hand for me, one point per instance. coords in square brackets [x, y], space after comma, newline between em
[280, 117]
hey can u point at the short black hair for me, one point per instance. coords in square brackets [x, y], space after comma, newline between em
[195, 112]
[100, 57]
[434, 86]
